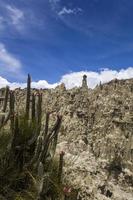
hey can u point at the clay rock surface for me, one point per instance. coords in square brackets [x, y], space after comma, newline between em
[96, 136]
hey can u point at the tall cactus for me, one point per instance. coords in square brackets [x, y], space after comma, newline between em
[12, 102]
[39, 111]
[50, 137]
[6, 99]
[46, 124]
[15, 133]
[28, 96]
[60, 170]
[55, 136]
[33, 109]
[30, 148]
[4, 119]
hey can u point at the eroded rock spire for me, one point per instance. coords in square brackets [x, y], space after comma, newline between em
[84, 82]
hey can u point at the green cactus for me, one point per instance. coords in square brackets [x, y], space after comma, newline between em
[39, 111]
[60, 167]
[33, 108]
[4, 119]
[12, 104]
[49, 139]
[55, 136]
[15, 133]
[37, 152]
[31, 147]
[6, 99]
[46, 124]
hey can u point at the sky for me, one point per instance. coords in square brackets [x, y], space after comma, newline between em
[60, 40]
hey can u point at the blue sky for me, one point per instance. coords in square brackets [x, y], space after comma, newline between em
[52, 38]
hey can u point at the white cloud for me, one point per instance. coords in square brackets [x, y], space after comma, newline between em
[16, 16]
[3, 82]
[7, 61]
[10, 65]
[43, 84]
[75, 79]
[66, 11]
[39, 84]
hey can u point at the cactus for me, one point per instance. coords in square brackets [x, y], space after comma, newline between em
[43, 193]
[39, 111]
[37, 152]
[33, 108]
[6, 99]
[50, 137]
[60, 167]
[32, 148]
[12, 102]
[46, 124]
[28, 96]
[4, 119]
[15, 130]
[55, 136]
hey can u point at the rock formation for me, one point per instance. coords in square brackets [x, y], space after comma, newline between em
[96, 136]
[84, 82]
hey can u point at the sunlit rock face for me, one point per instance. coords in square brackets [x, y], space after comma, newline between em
[96, 135]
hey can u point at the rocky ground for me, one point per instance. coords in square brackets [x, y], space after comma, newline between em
[96, 136]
